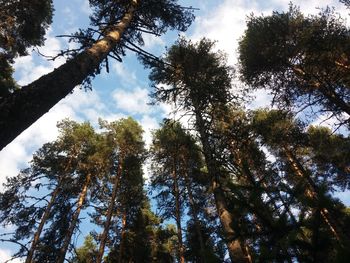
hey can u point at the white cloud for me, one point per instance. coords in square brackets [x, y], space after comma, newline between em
[33, 66]
[5, 254]
[79, 106]
[153, 42]
[148, 124]
[125, 74]
[132, 102]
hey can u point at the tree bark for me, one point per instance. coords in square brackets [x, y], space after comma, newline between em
[194, 212]
[178, 214]
[122, 238]
[109, 213]
[236, 250]
[54, 194]
[312, 192]
[327, 91]
[75, 217]
[27, 105]
[42, 223]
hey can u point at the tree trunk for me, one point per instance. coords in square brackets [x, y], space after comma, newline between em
[42, 223]
[54, 194]
[236, 249]
[327, 90]
[178, 214]
[27, 105]
[122, 238]
[335, 99]
[109, 213]
[312, 192]
[75, 217]
[195, 216]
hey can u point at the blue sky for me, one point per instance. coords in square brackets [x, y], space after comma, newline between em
[123, 92]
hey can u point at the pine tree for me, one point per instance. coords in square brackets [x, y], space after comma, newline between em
[56, 169]
[200, 83]
[302, 59]
[176, 161]
[115, 26]
[126, 151]
[17, 34]
[286, 139]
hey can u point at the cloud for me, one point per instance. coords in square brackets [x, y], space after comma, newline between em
[148, 124]
[78, 106]
[126, 76]
[132, 102]
[5, 254]
[153, 42]
[33, 66]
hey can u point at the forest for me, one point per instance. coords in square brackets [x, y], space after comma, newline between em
[222, 182]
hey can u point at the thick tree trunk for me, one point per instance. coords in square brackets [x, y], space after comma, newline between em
[236, 250]
[194, 212]
[37, 234]
[25, 106]
[75, 217]
[312, 192]
[178, 214]
[122, 238]
[109, 213]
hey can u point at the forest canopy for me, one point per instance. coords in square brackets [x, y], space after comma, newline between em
[187, 165]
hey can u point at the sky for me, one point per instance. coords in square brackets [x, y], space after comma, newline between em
[124, 90]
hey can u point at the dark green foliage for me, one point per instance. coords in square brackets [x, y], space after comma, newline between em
[22, 25]
[214, 249]
[58, 169]
[7, 83]
[198, 76]
[301, 59]
[331, 154]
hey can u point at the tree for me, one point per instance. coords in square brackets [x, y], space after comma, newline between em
[115, 26]
[200, 81]
[301, 59]
[330, 152]
[176, 162]
[285, 138]
[213, 251]
[55, 176]
[17, 34]
[268, 227]
[127, 153]
[87, 252]
[167, 180]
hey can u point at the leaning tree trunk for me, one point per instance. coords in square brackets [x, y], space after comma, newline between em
[109, 213]
[237, 251]
[328, 91]
[27, 105]
[43, 220]
[75, 217]
[312, 193]
[178, 214]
